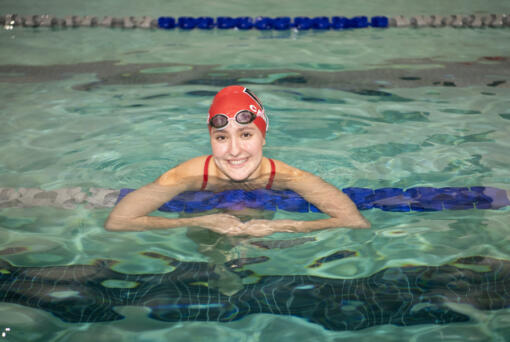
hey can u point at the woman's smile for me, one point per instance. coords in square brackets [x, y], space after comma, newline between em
[237, 162]
[238, 169]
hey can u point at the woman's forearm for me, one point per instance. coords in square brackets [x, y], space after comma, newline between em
[132, 212]
[219, 223]
[268, 227]
[308, 226]
[147, 223]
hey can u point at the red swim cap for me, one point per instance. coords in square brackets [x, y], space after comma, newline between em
[233, 99]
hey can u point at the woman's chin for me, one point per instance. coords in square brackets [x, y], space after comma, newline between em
[238, 177]
[238, 172]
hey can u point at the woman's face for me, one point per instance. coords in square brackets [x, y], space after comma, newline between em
[237, 150]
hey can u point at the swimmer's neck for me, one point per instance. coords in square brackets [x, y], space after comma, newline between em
[256, 175]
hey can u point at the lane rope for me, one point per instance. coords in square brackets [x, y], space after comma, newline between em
[387, 199]
[302, 23]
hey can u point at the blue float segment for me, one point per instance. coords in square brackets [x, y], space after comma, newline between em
[244, 23]
[358, 22]
[198, 201]
[387, 199]
[480, 199]
[226, 23]
[424, 199]
[232, 199]
[252, 200]
[379, 21]
[490, 198]
[320, 23]
[302, 23]
[264, 200]
[340, 23]
[205, 23]
[263, 23]
[456, 198]
[391, 199]
[186, 23]
[166, 23]
[123, 193]
[282, 23]
[426, 206]
[291, 201]
[362, 197]
[175, 205]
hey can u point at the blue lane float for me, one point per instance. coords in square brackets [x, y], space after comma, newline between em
[268, 23]
[166, 23]
[387, 199]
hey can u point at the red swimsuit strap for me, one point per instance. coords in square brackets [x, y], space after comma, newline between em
[271, 177]
[206, 173]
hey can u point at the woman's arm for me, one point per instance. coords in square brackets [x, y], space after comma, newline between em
[132, 212]
[330, 200]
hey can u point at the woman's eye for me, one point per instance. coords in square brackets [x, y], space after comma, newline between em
[221, 137]
[246, 135]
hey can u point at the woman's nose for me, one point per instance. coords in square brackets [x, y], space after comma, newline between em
[235, 146]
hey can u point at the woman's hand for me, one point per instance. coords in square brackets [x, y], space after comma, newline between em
[267, 227]
[221, 223]
[232, 226]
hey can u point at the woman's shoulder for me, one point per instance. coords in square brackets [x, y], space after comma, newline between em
[285, 171]
[289, 177]
[190, 170]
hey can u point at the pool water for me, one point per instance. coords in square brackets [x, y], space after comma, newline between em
[113, 108]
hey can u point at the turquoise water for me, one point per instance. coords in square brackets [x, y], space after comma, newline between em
[116, 108]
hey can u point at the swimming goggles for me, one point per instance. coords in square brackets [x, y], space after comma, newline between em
[243, 117]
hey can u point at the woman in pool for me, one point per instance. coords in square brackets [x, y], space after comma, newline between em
[237, 127]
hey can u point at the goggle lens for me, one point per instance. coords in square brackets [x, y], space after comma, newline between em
[219, 121]
[244, 117]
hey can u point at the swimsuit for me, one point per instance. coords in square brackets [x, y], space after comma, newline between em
[206, 174]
